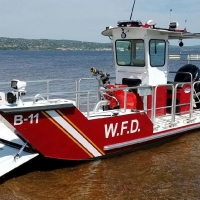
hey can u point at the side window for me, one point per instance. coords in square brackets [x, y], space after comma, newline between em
[130, 53]
[157, 49]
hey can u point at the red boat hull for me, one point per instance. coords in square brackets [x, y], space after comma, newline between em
[68, 134]
[65, 133]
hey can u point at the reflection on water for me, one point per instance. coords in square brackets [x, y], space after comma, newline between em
[169, 171]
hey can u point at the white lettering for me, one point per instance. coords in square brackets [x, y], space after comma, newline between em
[111, 129]
[18, 119]
[36, 118]
[31, 118]
[134, 126]
[123, 127]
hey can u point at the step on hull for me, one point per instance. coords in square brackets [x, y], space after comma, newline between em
[10, 159]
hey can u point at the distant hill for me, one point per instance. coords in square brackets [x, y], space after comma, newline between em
[195, 48]
[46, 44]
[65, 45]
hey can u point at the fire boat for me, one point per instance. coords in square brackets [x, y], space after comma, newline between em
[139, 108]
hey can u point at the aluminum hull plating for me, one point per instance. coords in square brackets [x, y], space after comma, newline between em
[69, 135]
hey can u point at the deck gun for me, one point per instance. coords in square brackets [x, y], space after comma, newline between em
[104, 77]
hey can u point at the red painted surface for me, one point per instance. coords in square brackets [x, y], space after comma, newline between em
[46, 136]
[161, 100]
[183, 97]
[52, 142]
[131, 101]
[140, 105]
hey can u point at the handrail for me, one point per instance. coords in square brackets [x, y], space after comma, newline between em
[191, 99]
[174, 56]
[89, 92]
[89, 95]
[193, 88]
[191, 95]
[195, 57]
[154, 102]
[186, 57]
[78, 83]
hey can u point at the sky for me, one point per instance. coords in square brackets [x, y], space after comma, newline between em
[84, 20]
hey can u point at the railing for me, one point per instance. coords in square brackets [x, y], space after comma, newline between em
[196, 94]
[175, 92]
[174, 57]
[187, 57]
[55, 87]
[92, 97]
[154, 102]
[78, 88]
[193, 57]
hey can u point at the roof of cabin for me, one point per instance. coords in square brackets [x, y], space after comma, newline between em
[172, 34]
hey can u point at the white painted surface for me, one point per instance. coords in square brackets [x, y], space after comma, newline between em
[7, 134]
[7, 153]
[7, 160]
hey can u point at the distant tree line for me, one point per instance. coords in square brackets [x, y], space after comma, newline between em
[46, 44]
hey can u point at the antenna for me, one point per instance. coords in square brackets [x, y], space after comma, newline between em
[185, 23]
[170, 15]
[132, 9]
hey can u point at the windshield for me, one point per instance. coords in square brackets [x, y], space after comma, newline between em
[130, 53]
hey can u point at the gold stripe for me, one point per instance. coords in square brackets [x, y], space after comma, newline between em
[68, 134]
[80, 131]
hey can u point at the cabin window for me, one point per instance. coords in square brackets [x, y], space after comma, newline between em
[130, 53]
[157, 49]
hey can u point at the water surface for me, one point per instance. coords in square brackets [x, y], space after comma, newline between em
[169, 171]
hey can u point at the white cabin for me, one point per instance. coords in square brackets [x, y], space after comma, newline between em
[141, 51]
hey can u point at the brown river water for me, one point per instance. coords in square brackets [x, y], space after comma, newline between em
[168, 171]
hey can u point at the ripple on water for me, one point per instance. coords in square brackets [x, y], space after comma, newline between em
[169, 171]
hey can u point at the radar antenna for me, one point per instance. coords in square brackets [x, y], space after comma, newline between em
[132, 9]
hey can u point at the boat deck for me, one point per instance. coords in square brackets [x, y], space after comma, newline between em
[164, 123]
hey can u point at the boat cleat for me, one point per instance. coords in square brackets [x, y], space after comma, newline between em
[187, 121]
[156, 128]
[171, 125]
